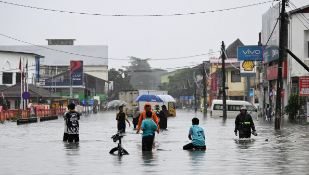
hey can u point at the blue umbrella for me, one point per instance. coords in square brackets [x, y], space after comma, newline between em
[148, 98]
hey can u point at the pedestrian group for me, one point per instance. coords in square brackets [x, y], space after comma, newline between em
[150, 122]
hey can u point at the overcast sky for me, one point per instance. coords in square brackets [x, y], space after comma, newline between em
[144, 37]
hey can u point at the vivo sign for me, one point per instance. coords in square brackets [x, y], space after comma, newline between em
[252, 53]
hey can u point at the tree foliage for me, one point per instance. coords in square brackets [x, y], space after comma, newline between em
[181, 83]
[121, 81]
[294, 105]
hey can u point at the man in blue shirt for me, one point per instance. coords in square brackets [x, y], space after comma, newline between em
[148, 127]
[197, 135]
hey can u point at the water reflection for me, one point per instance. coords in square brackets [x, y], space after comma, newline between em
[71, 148]
[148, 157]
[271, 152]
[244, 143]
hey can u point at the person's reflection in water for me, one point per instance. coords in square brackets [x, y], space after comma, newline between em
[71, 148]
[148, 157]
[244, 143]
[198, 159]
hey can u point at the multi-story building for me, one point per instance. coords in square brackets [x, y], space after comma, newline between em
[56, 63]
[298, 43]
[237, 86]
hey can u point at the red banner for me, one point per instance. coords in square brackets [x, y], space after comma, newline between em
[272, 71]
[304, 86]
[214, 83]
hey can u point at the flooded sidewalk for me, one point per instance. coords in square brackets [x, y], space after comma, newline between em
[38, 149]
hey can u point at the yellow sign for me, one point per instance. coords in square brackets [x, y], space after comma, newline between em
[248, 66]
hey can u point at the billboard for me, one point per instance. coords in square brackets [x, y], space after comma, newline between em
[304, 86]
[269, 20]
[247, 68]
[76, 71]
[253, 53]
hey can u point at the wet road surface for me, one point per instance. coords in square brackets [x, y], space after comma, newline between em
[38, 149]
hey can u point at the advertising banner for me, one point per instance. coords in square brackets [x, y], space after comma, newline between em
[272, 71]
[253, 53]
[247, 68]
[76, 70]
[304, 86]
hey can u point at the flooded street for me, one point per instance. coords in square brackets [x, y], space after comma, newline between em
[38, 149]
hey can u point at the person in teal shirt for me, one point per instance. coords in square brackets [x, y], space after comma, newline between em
[148, 127]
[197, 135]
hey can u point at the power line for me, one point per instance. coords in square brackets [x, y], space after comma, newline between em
[98, 57]
[301, 15]
[132, 15]
[271, 34]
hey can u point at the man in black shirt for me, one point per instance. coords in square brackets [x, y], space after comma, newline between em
[244, 124]
[72, 124]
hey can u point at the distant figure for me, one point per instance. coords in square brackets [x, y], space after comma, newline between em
[157, 110]
[135, 117]
[72, 124]
[148, 127]
[244, 124]
[197, 135]
[163, 117]
[268, 112]
[121, 120]
[142, 116]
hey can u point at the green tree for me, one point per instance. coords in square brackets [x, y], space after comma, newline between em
[181, 83]
[121, 81]
[294, 105]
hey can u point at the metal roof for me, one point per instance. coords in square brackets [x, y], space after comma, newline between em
[18, 52]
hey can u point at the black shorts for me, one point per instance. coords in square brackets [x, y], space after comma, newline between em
[73, 137]
[65, 137]
[147, 142]
[190, 146]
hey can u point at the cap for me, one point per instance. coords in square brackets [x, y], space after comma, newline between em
[243, 108]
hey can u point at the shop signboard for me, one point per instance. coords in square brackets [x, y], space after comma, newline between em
[304, 86]
[76, 68]
[247, 68]
[252, 53]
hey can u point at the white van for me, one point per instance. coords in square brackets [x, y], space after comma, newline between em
[232, 108]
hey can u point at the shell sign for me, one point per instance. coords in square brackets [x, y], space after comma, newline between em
[247, 68]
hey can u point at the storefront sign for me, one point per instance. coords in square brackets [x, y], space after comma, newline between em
[272, 71]
[247, 68]
[304, 86]
[77, 73]
[271, 53]
[253, 53]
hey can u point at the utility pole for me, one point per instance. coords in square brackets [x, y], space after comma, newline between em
[204, 88]
[195, 93]
[283, 40]
[223, 57]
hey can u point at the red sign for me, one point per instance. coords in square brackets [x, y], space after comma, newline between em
[304, 86]
[272, 71]
[214, 83]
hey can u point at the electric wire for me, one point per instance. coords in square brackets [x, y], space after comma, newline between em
[132, 15]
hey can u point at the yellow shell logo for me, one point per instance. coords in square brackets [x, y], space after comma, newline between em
[248, 65]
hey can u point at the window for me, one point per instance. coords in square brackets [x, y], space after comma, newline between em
[233, 107]
[235, 76]
[18, 77]
[218, 107]
[7, 78]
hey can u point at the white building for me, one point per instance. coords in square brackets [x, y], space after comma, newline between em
[58, 53]
[298, 43]
[10, 66]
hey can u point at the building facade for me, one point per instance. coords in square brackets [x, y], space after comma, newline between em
[13, 63]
